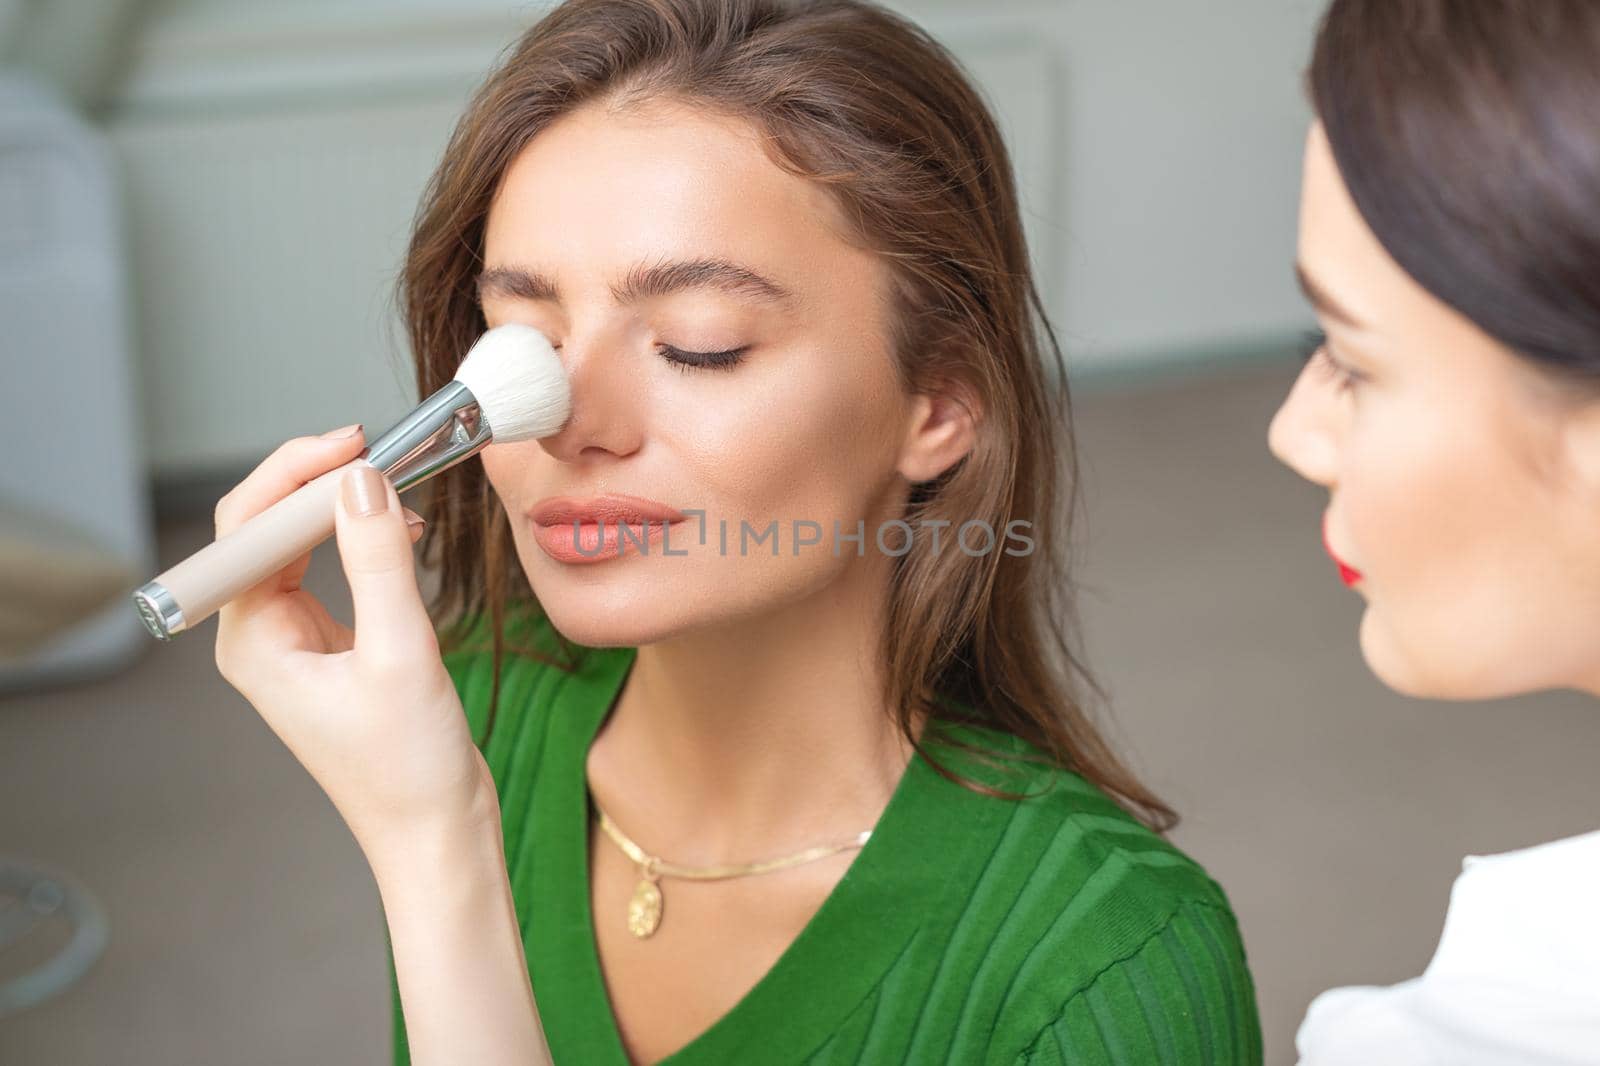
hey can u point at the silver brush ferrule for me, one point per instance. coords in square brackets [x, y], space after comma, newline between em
[445, 429]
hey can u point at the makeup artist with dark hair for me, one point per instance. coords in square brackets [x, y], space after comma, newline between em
[1450, 243]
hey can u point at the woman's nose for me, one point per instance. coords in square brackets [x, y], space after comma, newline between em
[605, 403]
[1304, 435]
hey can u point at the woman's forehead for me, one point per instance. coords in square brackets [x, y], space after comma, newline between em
[1339, 255]
[602, 192]
[658, 172]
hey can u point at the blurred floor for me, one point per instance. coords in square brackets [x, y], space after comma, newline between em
[246, 929]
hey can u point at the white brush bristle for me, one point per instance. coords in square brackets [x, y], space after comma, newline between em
[519, 382]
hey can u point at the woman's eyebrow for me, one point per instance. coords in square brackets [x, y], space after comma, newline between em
[1322, 301]
[642, 282]
[517, 284]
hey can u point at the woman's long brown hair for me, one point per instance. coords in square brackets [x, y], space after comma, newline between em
[854, 97]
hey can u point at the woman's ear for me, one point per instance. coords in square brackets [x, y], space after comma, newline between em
[942, 428]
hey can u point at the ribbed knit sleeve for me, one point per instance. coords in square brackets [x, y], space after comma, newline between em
[1183, 999]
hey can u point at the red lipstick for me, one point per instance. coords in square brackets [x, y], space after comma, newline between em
[1347, 573]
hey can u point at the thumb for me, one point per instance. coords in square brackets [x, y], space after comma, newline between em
[392, 625]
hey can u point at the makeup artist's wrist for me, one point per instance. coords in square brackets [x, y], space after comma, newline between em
[455, 831]
[456, 943]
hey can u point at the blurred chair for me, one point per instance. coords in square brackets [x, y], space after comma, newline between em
[75, 524]
[51, 932]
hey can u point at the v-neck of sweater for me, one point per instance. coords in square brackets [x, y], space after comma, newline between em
[857, 934]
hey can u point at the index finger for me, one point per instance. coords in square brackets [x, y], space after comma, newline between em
[294, 463]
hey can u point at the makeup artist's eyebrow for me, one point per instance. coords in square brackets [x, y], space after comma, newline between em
[1322, 301]
[643, 282]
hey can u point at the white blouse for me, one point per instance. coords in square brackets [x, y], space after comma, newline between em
[1516, 977]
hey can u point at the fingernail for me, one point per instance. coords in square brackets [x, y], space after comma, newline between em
[344, 433]
[414, 521]
[364, 491]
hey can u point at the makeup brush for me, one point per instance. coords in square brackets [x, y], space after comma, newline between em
[510, 387]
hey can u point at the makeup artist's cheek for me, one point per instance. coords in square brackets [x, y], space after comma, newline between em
[1387, 498]
[1425, 529]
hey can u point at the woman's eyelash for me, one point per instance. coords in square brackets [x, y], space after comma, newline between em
[686, 361]
[1312, 342]
[1314, 350]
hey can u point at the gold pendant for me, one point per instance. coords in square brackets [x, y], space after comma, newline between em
[644, 909]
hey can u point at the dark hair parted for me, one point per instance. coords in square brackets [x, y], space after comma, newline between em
[1468, 134]
[863, 102]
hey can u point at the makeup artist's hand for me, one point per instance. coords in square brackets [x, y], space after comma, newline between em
[370, 712]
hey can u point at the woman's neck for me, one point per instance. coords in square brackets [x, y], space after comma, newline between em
[757, 738]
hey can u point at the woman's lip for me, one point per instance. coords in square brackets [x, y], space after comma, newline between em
[594, 542]
[1347, 573]
[612, 509]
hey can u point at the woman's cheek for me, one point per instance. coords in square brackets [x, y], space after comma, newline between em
[1419, 526]
[1376, 510]
[494, 467]
[795, 461]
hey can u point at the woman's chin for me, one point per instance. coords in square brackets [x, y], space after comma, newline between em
[595, 623]
[1429, 669]
[625, 614]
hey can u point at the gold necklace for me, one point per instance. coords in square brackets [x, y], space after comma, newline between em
[644, 908]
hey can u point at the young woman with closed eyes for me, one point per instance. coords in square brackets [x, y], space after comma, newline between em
[828, 793]
[1450, 244]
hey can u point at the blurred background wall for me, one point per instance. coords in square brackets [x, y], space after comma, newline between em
[270, 157]
[274, 154]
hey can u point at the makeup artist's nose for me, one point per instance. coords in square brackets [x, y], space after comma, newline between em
[605, 403]
[1304, 434]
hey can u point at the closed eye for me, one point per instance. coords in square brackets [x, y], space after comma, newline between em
[687, 360]
[1314, 351]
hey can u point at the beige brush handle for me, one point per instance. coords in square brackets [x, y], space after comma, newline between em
[196, 588]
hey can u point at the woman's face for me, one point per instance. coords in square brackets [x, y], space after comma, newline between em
[631, 237]
[1464, 484]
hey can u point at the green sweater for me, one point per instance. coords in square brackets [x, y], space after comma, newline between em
[967, 930]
